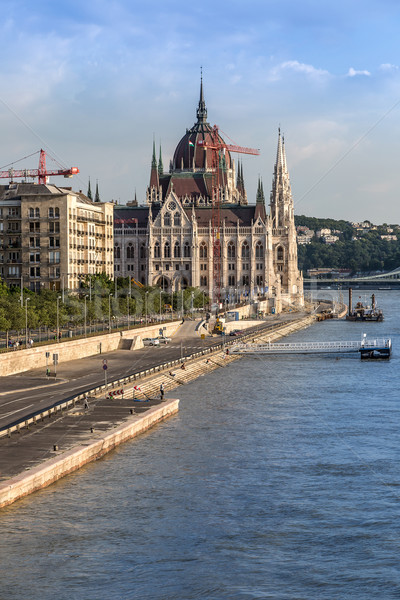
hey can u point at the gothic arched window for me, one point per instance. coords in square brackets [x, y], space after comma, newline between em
[186, 250]
[231, 250]
[167, 219]
[203, 280]
[177, 219]
[177, 250]
[203, 250]
[156, 250]
[245, 250]
[167, 250]
[130, 252]
[259, 250]
[117, 251]
[142, 251]
[32, 213]
[279, 253]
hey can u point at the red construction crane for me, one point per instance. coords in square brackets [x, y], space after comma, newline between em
[216, 145]
[41, 172]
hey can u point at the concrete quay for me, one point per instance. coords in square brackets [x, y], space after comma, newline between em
[56, 446]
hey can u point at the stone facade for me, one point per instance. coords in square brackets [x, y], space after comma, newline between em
[52, 236]
[170, 242]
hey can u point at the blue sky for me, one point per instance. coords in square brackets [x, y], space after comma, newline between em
[93, 83]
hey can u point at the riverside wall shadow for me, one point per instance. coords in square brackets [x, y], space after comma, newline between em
[33, 358]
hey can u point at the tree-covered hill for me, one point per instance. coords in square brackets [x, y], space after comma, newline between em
[368, 253]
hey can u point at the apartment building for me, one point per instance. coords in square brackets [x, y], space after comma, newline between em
[50, 236]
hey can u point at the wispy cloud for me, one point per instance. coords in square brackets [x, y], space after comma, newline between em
[295, 66]
[354, 73]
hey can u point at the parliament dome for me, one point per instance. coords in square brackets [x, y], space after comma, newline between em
[189, 154]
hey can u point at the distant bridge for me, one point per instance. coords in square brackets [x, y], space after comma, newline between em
[382, 279]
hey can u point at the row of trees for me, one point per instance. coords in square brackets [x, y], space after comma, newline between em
[99, 299]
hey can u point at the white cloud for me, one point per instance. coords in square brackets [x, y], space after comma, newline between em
[388, 67]
[297, 67]
[353, 73]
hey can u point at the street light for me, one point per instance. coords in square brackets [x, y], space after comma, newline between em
[145, 300]
[192, 303]
[26, 322]
[58, 322]
[183, 312]
[160, 305]
[109, 313]
[85, 314]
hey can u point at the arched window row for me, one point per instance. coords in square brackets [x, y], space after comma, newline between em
[203, 250]
[130, 251]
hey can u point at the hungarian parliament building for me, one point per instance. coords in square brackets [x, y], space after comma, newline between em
[169, 241]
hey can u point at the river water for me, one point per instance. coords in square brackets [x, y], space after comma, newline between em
[279, 478]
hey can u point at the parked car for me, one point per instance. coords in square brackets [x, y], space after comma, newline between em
[164, 340]
[151, 342]
[236, 332]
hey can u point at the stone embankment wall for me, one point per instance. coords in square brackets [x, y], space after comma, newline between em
[33, 358]
[71, 460]
[56, 468]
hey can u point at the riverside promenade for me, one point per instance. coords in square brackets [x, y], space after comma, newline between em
[58, 444]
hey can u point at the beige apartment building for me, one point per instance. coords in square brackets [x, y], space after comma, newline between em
[50, 236]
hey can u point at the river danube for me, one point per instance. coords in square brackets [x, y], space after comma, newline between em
[279, 478]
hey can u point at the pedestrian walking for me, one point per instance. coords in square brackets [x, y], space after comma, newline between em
[162, 392]
[85, 403]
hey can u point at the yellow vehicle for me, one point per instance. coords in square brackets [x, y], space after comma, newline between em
[137, 283]
[167, 307]
[218, 327]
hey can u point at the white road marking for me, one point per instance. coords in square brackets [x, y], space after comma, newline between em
[15, 411]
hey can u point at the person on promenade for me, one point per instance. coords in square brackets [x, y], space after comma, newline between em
[171, 374]
[85, 403]
[183, 366]
[162, 392]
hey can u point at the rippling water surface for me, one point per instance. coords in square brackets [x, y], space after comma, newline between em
[278, 479]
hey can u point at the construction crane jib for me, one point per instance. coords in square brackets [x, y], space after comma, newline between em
[41, 173]
[217, 145]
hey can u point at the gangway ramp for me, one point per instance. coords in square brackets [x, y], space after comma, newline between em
[374, 348]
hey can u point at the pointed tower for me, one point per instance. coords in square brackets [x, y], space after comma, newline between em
[160, 164]
[97, 195]
[260, 202]
[154, 190]
[283, 230]
[89, 192]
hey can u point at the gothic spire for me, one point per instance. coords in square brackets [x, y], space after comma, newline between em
[260, 193]
[160, 164]
[89, 191]
[154, 181]
[154, 160]
[97, 195]
[201, 110]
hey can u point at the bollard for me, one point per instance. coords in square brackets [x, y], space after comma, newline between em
[132, 411]
[55, 447]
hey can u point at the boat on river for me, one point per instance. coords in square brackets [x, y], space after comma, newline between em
[362, 311]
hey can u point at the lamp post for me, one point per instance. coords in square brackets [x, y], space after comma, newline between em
[183, 312]
[85, 314]
[145, 300]
[58, 320]
[26, 322]
[192, 296]
[109, 313]
[160, 305]
[128, 300]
